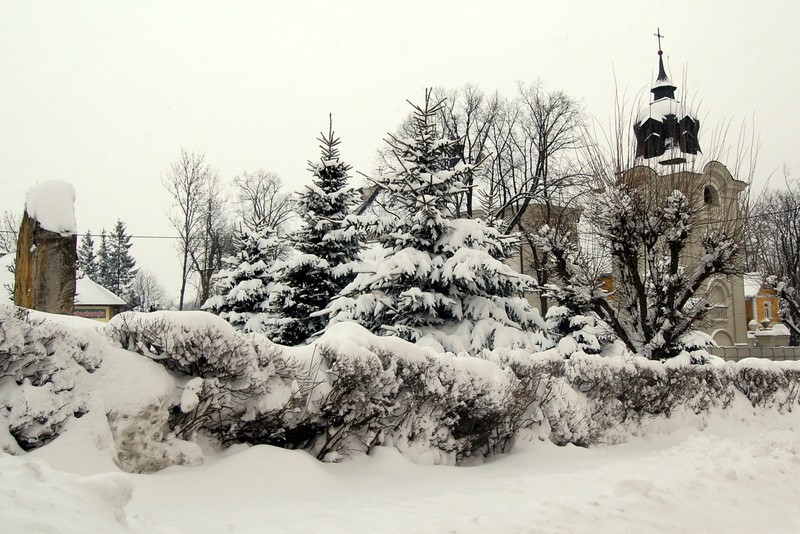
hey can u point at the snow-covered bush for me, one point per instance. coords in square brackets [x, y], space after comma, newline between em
[769, 384]
[229, 378]
[42, 366]
[699, 386]
[357, 405]
[458, 405]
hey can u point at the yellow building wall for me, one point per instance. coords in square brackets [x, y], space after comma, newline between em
[765, 294]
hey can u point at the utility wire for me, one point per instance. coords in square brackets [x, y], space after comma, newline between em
[130, 236]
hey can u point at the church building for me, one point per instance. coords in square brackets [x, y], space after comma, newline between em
[668, 157]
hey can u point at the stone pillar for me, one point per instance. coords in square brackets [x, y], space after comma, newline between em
[44, 277]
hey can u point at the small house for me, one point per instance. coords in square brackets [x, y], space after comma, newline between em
[761, 301]
[93, 301]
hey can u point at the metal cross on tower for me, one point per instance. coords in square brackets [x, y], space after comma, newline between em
[658, 34]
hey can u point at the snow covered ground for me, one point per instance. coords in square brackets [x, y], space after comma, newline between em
[731, 471]
[740, 474]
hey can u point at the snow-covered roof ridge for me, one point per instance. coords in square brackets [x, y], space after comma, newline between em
[663, 107]
[753, 282]
[52, 205]
[88, 292]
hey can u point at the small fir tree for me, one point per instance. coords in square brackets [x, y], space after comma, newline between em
[87, 259]
[308, 282]
[243, 285]
[441, 278]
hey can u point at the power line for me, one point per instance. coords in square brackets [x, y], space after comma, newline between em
[130, 236]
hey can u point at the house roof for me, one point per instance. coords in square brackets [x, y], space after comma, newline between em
[88, 293]
[752, 284]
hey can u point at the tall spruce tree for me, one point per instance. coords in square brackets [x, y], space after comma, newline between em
[87, 259]
[327, 249]
[103, 273]
[441, 278]
[243, 284]
[121, 266]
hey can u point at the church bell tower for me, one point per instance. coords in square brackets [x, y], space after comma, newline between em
[666, 130]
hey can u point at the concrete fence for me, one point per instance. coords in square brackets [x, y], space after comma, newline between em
[735, 354]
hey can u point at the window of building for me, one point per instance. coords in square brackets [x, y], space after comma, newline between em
[710, 196]
[767, 310]
[718, 313]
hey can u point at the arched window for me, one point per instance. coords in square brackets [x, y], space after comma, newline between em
[710, 196]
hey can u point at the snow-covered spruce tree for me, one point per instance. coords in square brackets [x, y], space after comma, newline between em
[327, 249]
[656, 298]
[122, 267]
[243, 285]
[103, 273]
[575, 330]
[87, 259]
[441, 278]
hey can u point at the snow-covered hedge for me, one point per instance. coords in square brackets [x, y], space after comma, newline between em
[41, 369]
[348, 392]
[353, 390]
[237, 386]
[384, 389]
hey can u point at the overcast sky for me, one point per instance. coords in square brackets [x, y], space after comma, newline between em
[105, 94]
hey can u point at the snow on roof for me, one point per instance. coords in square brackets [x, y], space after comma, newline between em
[52, 204]
[752, 284]
[88, 292]
[778, 329]
[661, 108]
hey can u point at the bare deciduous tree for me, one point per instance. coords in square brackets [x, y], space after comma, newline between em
[467, 116]
[774, 247]
[260, 201]
[147, 292]
[548, 132]
[667, 240]
[187, 183]
[663, 253]
[9, 228]
[213, 241]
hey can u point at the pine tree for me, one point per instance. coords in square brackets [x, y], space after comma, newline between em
[243, 285]
[103, 272]
[441, 278]
[308, 282]
[122, 265]
[87, 259]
